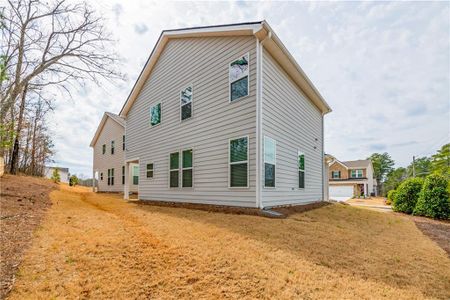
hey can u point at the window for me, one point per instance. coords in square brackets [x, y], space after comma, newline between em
[150, 170]
[238, 159]
[104, 149]
[238, 76]
[110, 176]
[112, 147]
[174, 162]
[186, 103]
[270, 146]
[123, 142]
[335, 174]
[101, 176]
[301, 170]
[186, 166]
[135, 175]
[123, 174]
[155, 115]
[356, 173]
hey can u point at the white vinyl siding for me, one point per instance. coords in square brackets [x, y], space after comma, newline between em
[208, 132]
[295, 123]
[111, 131]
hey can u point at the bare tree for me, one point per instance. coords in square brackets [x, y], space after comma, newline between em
[45, 45]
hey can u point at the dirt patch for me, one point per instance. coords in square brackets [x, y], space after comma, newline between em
[23, 202]
[285, 211]
[438, 231]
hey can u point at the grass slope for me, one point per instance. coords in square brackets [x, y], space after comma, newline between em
[97, 245]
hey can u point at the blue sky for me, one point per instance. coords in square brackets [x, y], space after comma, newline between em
[384, 68]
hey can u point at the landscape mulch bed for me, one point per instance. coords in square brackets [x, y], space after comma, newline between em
[23, 203]
[285, 211]
[438, 231]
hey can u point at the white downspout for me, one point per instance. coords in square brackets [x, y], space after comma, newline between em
[259, 104]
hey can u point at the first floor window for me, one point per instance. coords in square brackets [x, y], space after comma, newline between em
[186, 172]
[186, 103]
[238, 76]
[101, 176]
[123, 174]
[301, 170]
[110, 176]
[269, 161]
[135, 175]
[150, 170]
[174, 166]
[356, 173]
[336, 174]
[155, 114]
[238, 161]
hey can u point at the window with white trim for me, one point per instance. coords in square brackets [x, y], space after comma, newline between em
[174, 169]
[238, 161]
[135, 175]
[356, 173]
[270, 151]
[186, 103]
[301, 169]
[111, 176]
[335, 174]
[112, 147]
[123, 142]
[155, 114]
[186, 168]
[150, 170]
[103, 148]
[238, 76]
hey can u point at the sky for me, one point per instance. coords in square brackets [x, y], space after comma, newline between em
[383, 67]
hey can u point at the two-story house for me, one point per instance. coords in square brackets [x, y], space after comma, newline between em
[108, 146]
[224, 115]
[348, 179]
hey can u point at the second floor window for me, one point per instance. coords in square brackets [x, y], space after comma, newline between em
[103, 148]
[238, 76]
[112, 147]
[155, 114]
[356, 173]
[123, 142]
[335, 174]
[186, 103]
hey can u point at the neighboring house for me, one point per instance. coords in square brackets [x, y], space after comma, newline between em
[108, 146]
[63, 173]
[348, 179]
[224, 115]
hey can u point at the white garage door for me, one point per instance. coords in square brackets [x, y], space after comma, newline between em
[341, 193]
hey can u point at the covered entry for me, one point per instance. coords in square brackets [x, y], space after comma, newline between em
[131, 185]
[341, 192]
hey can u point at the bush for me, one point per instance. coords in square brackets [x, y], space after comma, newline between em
[407, 195]
[55, 175]
[73, 180]
[390, 197]
[434, 198]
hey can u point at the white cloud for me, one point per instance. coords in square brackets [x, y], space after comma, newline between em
[383, 68]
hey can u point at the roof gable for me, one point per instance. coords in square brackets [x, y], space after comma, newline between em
[119, 120]
[261, 30]
[361, 163]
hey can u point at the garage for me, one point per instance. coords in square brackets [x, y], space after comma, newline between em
[341, 192]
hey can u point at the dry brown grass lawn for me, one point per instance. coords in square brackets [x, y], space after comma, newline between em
[98, 246]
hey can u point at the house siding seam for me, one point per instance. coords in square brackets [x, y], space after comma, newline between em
[295, 123]
[111, 131]
[203, 63]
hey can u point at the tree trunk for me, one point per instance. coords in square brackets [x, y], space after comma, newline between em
[15, 153]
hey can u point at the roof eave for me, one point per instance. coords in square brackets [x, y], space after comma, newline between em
[100, 128]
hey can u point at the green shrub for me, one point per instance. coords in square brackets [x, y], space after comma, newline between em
[434, 198]
[390, 197]
[55, 176]
[407, 195]
[73, 180]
